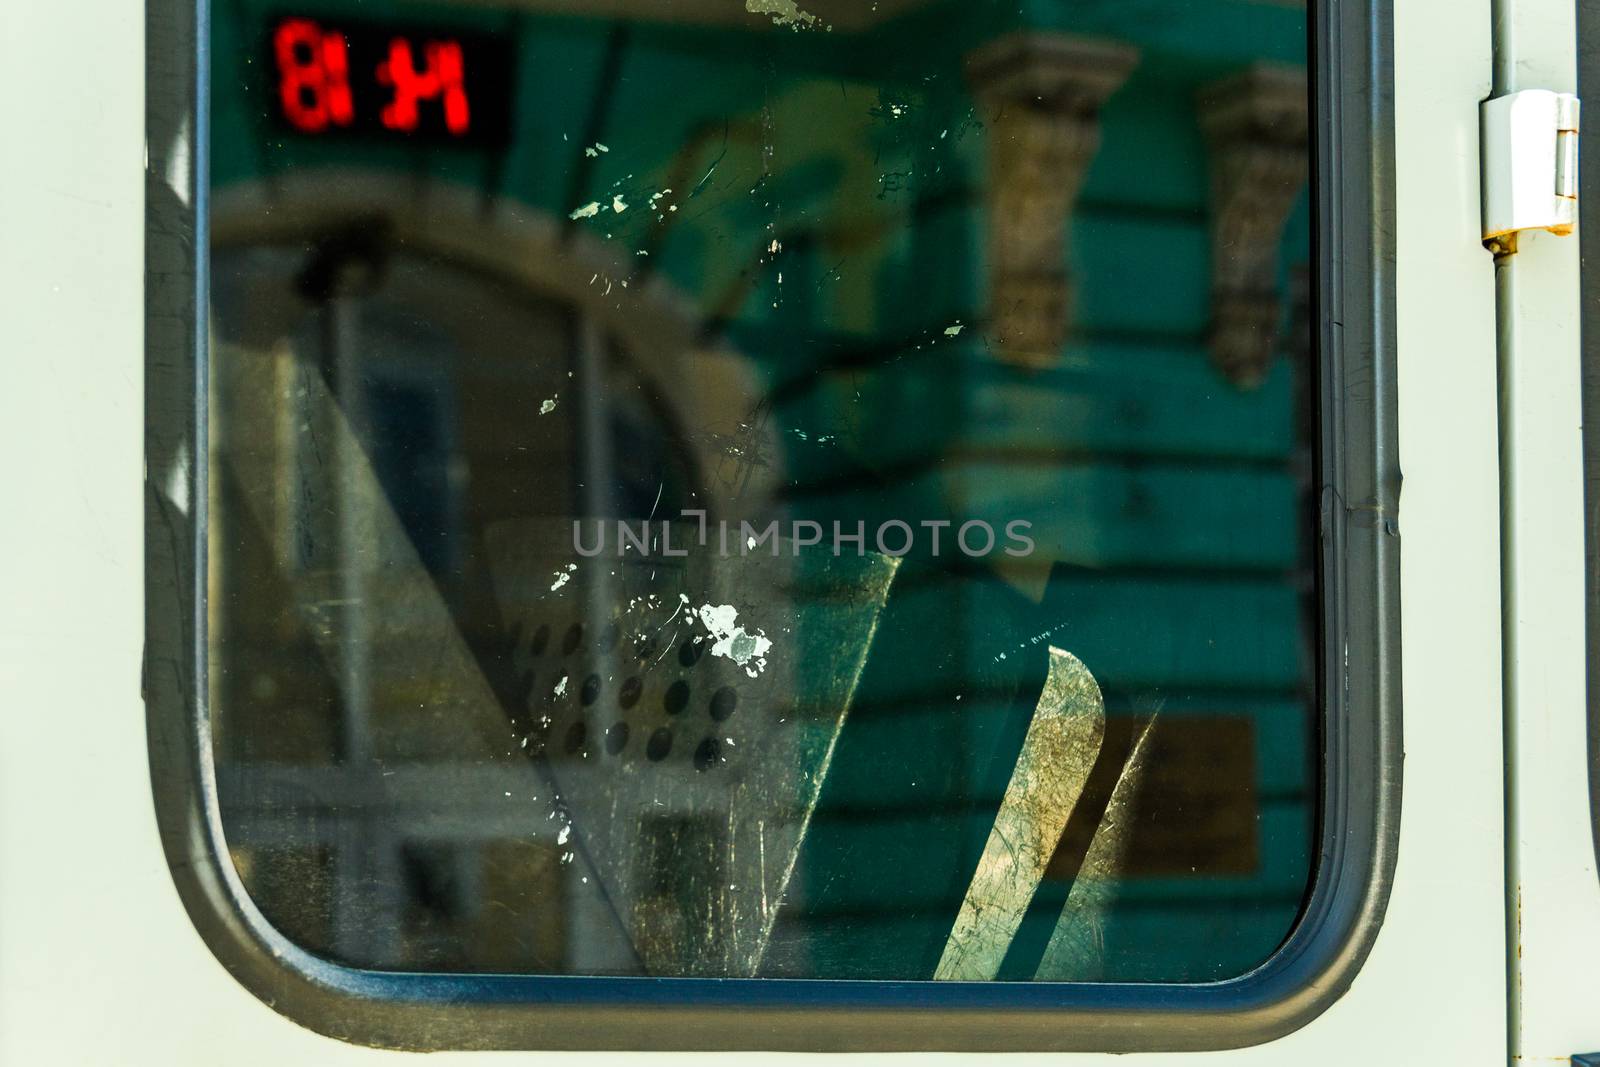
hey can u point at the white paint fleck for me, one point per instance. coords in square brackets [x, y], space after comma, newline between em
[783, 12]
[563, 577]
[587, 211]
[733, 641]
[566, 832]
[561, 687]
[549, 405]
[618, 204]
[953, 331]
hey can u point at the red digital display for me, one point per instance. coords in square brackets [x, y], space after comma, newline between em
[364, 78]
[439, 79]
[313, 75]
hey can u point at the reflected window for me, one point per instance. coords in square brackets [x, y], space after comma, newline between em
[815, 490]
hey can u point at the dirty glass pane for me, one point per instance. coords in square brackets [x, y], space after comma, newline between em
[809, 489]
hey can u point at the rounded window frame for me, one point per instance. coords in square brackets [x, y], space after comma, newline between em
[1359, 674]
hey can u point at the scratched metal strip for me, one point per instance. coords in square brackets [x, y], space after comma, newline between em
[1059, 751]
[1076, 952]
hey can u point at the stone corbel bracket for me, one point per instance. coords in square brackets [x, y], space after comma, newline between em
[1040, 95]
[1255, 125]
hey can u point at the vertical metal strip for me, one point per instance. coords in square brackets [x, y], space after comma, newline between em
[1552, 903]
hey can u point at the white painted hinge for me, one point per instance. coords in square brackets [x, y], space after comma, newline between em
[1530, 165]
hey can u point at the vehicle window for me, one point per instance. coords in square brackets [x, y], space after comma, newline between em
[794, 489]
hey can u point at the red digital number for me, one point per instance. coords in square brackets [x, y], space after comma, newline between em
[313, 75]
[440, 78]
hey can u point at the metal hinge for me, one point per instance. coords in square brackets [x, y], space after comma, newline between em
[1530, 165]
